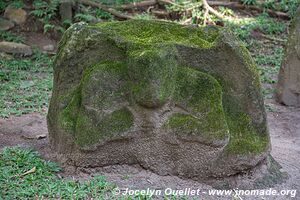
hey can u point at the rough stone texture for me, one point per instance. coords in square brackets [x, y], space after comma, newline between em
[288, 88]
[17, 15]
[49, 47]
[5, 56]
[176, 100]
[6, 24]
[15, 48]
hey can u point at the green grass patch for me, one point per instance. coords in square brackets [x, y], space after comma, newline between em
[42, 183]
[269, 65]
[268, 57]
[25, 175]
[10, 37]
[243, 27]
[25, 85]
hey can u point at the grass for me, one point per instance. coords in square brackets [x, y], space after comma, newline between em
[25, 85]
[42, 182]
[243, 27]
[25, 175]
[269, 63]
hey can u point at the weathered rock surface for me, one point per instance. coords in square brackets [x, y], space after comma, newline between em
[17, 15]
[6, 24]
[49, 47]
[15, 48]
[288, 88]
[176, 100]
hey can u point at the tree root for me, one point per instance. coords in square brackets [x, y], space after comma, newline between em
[210, 4]
[107, 9]
[206, 4]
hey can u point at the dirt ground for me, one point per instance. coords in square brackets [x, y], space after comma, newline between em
[284, 124]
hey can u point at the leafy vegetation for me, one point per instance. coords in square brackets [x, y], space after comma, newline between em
[84, 17]
[263, 23]
[25, 175]
[25, 84]
[103, 14]
[289, 6]
[17, 4]
[10, 37]
[249, 2]
[268, 59]
[45, 12]
[14, 4]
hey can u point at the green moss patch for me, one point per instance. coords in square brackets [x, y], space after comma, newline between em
[89, 127]
[243, 137]
[201, 95]
[145, 33]
[90, 131]
[68, 116]
[152, 73]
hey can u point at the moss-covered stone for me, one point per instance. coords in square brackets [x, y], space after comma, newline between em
[201, 97]
[89, 131]
[166, 96]
[152, 73]
[68, 117]
[140, 33]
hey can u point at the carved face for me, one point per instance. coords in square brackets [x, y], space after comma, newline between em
[151, 91]
[152, 74]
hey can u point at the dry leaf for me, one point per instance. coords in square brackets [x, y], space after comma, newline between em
[29, 172]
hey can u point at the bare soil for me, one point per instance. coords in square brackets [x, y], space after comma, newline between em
[284, 124]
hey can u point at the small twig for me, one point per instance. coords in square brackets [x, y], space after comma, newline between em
[149, 9]
[273, 38]
[187, 21]
[160, 13]
[107, 9]
[29, 172]
[32, 170]
[206, 12]
[213, 11]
